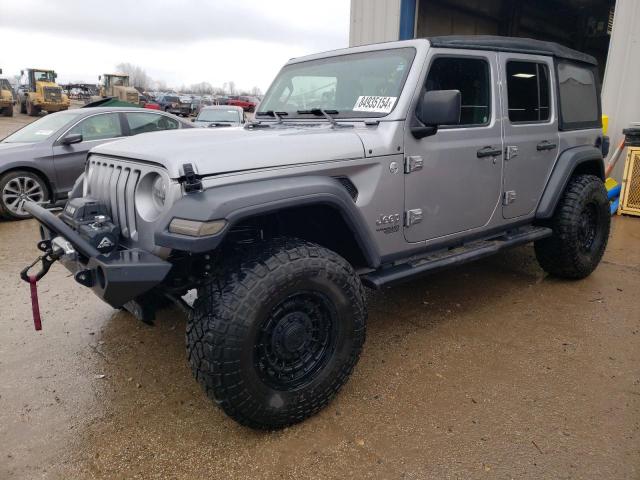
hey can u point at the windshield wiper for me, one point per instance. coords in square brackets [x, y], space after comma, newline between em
[321, 111]
[271, 113]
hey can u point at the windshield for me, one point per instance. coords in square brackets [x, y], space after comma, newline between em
[116, 81]
[43, 128]
[44, 76]
[355, 85]
[220, 115]
[4, 84]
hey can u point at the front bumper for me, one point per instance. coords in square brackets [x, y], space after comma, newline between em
[116, 278]
[179, 110]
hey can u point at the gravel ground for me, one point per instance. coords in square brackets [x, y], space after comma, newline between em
[491, 370]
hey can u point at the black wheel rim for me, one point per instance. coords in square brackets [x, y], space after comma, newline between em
[588, 227]
[296, 340]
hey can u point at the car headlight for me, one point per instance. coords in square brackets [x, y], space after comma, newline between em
[159, 192]
[151, 196]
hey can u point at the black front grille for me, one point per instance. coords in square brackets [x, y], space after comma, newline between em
[52, 94]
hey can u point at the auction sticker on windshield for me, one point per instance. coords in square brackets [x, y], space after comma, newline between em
[371, 103]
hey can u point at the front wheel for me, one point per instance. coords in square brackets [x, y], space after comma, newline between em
[580, 226]
[275, 338]
[17, 186]
[32, 110]
[8, 111]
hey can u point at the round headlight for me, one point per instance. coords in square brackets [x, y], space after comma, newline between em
[159, 192]
[151, 196]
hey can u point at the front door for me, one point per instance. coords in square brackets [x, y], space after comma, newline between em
[69, 160]
[530, 130]
[453, 179]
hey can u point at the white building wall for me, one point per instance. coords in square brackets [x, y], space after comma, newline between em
[374, 21]
[621, 85]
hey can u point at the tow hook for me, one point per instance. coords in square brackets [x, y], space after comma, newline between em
[49, 258]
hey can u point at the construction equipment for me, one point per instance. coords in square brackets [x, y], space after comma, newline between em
[6, 97]
[39, 91]
[630, 194]
[116, 85]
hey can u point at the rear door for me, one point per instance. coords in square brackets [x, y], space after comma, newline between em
[453, 180]
[530, 130]
[69, 160]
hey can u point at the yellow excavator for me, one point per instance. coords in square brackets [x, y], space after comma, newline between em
[6, 97]
[38, 91]
[116, 85]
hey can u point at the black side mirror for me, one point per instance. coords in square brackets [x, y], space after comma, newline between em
[72, 138]
[193, 119]
[437, 107]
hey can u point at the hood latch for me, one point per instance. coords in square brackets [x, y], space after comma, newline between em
[190, 181]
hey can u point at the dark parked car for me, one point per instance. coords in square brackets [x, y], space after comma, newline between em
[42, 160]
[219, 116]
[175, 104]
[249, 104]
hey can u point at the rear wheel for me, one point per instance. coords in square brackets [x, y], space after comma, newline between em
[581, 226]
[279, 333]
[18, 186]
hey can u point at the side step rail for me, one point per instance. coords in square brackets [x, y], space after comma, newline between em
[449, 258]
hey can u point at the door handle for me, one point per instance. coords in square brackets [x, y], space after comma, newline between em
[488, 151]
[545, 145]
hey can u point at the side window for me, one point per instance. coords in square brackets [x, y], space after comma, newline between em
[150, 122]
[106, 125]
[578, 95]
[528, 92]
[470, 76]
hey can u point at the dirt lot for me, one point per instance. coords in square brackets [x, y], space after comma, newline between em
[492, 370]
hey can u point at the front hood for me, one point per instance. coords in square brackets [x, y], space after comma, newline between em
[221, 150]
[47, 84]
[14, 148]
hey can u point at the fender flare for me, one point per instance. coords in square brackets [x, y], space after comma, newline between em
[566, 164]
[238, 202]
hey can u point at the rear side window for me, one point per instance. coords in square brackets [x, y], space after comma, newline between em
[578, 96]
[471, 77]
[149, 122]
[528, 92]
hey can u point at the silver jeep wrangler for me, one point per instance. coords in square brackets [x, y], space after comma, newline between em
[364, 167]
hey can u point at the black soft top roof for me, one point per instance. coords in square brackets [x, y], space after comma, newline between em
[511, 44]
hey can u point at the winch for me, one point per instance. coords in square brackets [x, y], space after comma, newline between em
[91, 220]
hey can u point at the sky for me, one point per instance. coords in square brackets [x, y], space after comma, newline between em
[180, 42]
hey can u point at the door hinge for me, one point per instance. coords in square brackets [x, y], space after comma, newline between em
[412, 217]
[413, 163]
[509, 197]
[511, 151]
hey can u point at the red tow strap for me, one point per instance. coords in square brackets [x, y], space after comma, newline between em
[37, 322]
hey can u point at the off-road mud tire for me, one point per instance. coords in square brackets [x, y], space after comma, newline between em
[580, 226]
[226, 334]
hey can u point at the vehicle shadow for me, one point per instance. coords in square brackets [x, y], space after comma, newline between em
[153, 404]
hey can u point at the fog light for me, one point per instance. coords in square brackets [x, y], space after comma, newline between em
[194, 228]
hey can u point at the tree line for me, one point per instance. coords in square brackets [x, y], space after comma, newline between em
[139, 78]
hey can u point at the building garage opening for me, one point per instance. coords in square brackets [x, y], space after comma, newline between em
[584, 25]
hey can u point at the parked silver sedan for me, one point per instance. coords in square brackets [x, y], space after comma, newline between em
[42, 160]
[219, 116]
